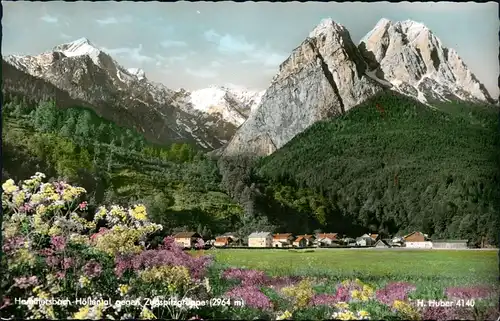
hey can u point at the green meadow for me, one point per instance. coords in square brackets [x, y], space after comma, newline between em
[444, 267]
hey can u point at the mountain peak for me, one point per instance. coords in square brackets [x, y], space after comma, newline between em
[325, 26]
[79, 47]
[416, 62]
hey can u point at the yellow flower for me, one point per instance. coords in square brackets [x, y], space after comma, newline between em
[41, 209]
[147, 314]
[286, 315]
[84, 281]
[19, 198]
[49, 310]
[342, 305]
[55, 230]
[42, 295]
[123, 289]
[301, 293]
[406, 310]
[9, 187]
[363, 314]
[345, 315]
[174, 277]
[139, 212]
[26, 256]
[79, 239]
[82, 313]
[101, 213]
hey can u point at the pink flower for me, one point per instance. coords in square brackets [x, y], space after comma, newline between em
[46, 252]
[13, 243]
[58, 242]
[251, 295]
[324, 299]
[52, 261]
[6, 303]
[92, 269]
[247, 277]
[394, 291]
[61, 275]
[83, 206]
[466, 293]
[25, 282]
[67, 262]
[167, 254]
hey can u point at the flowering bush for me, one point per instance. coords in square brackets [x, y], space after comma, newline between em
[394, 291]
[54, 248]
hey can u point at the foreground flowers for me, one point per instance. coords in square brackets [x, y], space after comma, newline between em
[54, 248]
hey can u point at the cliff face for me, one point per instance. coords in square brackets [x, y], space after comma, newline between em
[327, 75]
[415, 61]
[322, 78]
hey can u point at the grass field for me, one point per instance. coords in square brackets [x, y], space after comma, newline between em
[449, 268]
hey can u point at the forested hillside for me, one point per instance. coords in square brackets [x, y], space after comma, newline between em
[390, 165]
[180, 186]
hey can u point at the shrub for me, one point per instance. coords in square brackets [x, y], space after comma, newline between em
[54, 248]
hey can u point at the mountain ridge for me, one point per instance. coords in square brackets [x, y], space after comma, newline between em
[93, 78]
[393, 60]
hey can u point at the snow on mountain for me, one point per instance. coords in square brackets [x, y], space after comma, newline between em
[233, 104]
[139, 73]
[80, 47]
[208, 117]
[409, 56]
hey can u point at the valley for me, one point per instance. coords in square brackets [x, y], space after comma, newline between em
[269, 165]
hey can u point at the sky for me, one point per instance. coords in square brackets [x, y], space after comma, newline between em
[193, 45]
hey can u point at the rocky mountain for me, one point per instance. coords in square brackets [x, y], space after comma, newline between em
[416, 63]
[328, 74]
[89, 77]
[322, 78]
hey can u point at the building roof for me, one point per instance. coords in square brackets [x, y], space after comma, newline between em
[299, 238]
[363, 238]
[373, 236]
[332, 236]
[222, 238]
[282, 236]
[306, 236]
[383, 242]
[259, 234]
[183, 235]
[416, 232]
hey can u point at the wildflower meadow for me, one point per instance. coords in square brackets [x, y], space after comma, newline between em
[62, 260]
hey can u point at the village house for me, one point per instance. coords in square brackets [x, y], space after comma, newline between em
[365, 240]
[300, 241]
[397, 241]
[382, 244]
[237, 241]
[187, 239]
[260, 239]
[348, 241]
[326, 239]
[375, 237]
[283, 240]
[450, 244]
[417, 240]
[304, 240]
[223, 241]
